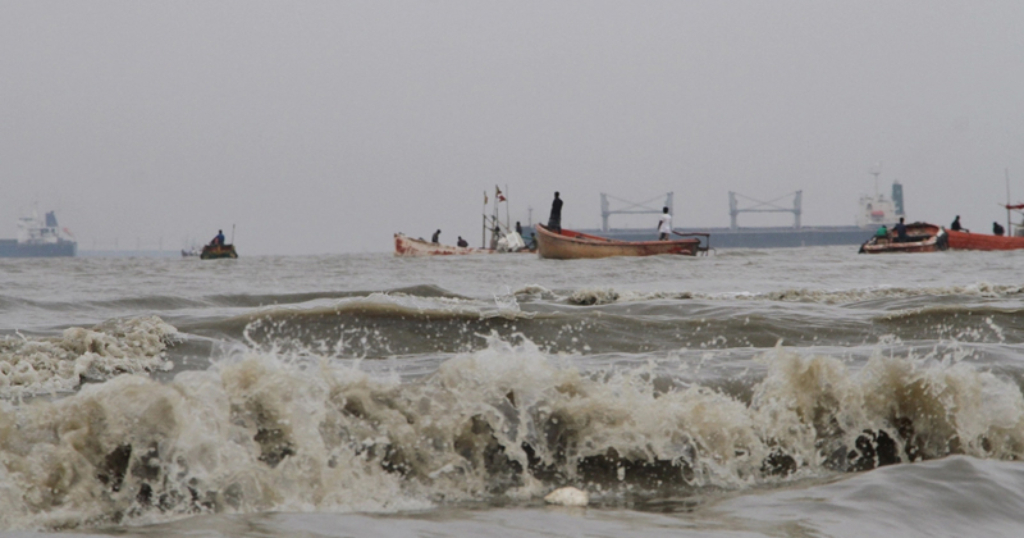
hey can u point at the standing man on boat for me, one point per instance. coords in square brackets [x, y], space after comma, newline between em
[555, 220]
[664, 224]
[901, 231]
[218, 241]
[436, 237]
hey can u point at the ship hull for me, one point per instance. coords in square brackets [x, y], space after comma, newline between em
[10, 248]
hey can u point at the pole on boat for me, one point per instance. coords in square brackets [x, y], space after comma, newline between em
[1009, 224]
[232, 233]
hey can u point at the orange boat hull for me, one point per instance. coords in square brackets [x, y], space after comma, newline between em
[973, 241]
[570, 245]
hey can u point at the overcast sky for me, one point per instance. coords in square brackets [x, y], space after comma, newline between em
[325, 127]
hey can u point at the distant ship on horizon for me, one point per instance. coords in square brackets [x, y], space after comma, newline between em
[39, 238]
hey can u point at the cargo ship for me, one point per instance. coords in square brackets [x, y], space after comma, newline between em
[874, 211]
[39, 238]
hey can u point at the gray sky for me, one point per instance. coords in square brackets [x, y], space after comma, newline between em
[322, 127]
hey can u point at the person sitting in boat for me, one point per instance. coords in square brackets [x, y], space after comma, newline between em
[218, 241]
[901, 231]
[997, 229]
[956, 227]
[436, 237]
[882, 232]
[664, 224]
[462, 242]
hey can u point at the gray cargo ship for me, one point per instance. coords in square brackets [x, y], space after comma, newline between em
[39, 238]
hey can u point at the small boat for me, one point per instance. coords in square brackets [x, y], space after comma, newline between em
[921, 237]
[569, 245]
[408, 246]
[962, 240]
[213, 252]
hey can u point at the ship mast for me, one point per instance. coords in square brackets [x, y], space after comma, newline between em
[876, 170]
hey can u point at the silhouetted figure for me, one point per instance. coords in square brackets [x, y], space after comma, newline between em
[664, 224]
[462, 242]
[218, 241]
[436, 237]
[956, 224]
[901, 231]
[555, 220]
[519, 229]
[997, 229]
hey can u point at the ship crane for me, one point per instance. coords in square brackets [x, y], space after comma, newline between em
[765, 207]
[632, 208]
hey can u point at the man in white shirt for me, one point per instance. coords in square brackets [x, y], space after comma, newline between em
[664, 225]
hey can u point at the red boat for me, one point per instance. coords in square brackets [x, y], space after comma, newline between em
[972, 241]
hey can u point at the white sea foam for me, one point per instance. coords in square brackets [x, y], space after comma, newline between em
[260, 433]
[57, 364]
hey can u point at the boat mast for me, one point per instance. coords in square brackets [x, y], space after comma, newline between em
[1009, 224]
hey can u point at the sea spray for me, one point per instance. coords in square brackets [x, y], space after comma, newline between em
[264, 432]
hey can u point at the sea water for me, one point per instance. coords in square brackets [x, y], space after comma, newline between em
[786, 392]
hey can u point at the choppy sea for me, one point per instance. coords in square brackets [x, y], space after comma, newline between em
[786, 392]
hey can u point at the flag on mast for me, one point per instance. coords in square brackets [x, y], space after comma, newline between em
[498, 195]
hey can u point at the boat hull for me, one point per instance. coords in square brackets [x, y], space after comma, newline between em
[408, 246]
[923, 237]
[218, 252]
[11, 248]
[571, 245]
[972, 241]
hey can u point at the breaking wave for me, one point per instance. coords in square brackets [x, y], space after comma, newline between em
[262, 432]
[41, 365]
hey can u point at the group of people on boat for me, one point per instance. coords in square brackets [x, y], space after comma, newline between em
[554, 224]
[900, 230]
[997, 229]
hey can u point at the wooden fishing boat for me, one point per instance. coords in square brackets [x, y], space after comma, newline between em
[960, 240]
[213, 252]
[408, 246]
[569, 245]
[921, 237]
